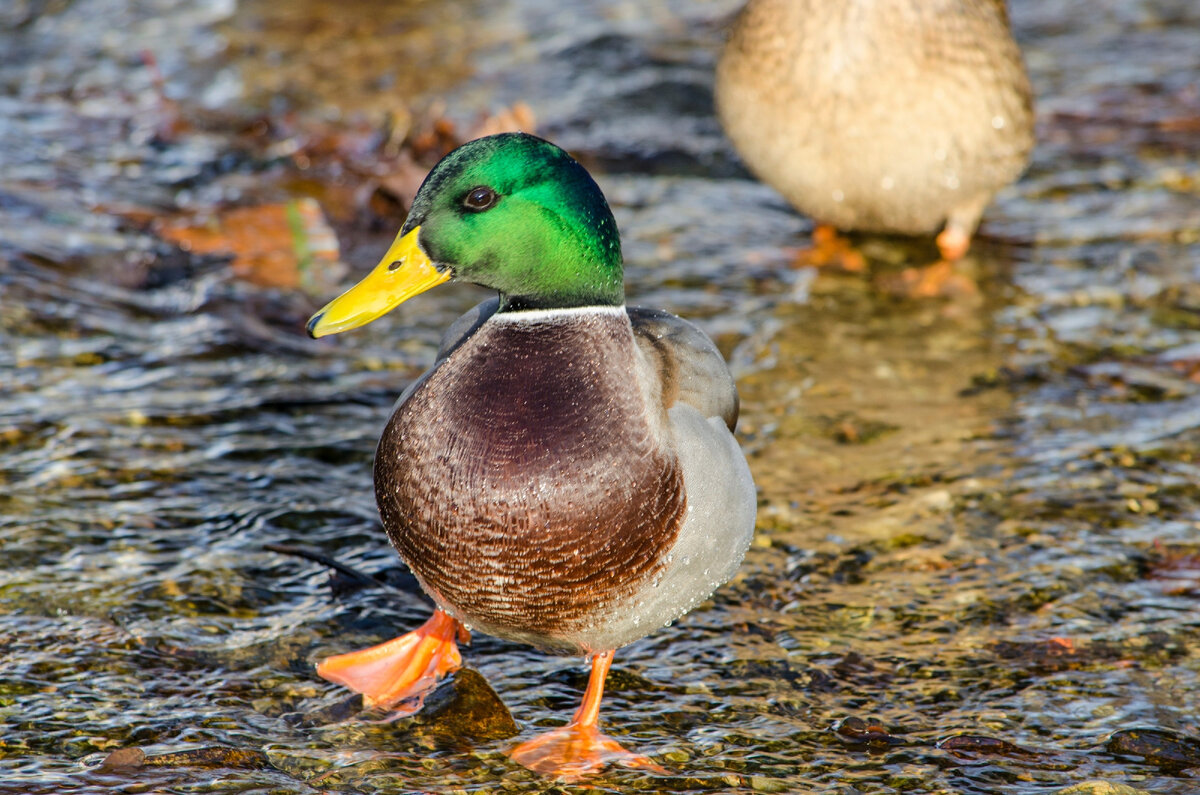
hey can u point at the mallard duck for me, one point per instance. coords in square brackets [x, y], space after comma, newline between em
[896, 116]
[566, 474]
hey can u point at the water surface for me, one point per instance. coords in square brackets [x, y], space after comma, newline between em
[978, 515]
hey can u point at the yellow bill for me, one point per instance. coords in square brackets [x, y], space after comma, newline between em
[405, 271]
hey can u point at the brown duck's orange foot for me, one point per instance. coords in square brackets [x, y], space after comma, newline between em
[576, 751]
[953, 243]
[932, 281]
[398, 674]
[830, 250]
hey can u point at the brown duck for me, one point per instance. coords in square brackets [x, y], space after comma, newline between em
[894, 116]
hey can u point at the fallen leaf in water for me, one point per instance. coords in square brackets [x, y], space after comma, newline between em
[856, 730]
[517, 118]
[395, 192]
[1055, 654]
[171, 123]
[431, 142]
[1178, 570]
[276, 245]
[977, 744]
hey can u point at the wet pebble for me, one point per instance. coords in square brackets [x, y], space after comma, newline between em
[1167, 749]
[858, 731]
[466, 707]
[210, 757]
[123, 759]
[463, 707]
[1101, 788]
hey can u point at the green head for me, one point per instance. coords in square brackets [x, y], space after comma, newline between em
[517, 214]
[511, 212]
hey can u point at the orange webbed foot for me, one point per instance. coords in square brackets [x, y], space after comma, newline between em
[830, 250]
[578, 749]
[940, 279]
[404, 669]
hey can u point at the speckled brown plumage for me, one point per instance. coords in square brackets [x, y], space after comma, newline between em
[878, 115]
[526, 482]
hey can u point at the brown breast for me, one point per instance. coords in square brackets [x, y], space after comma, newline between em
[524, 481]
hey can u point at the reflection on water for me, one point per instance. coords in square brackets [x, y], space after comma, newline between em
[979, 517]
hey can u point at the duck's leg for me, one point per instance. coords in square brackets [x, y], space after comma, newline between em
[579, 749]
[955, 237]
[942, 278]
[404, 669]
[953, 243]
[829, 249]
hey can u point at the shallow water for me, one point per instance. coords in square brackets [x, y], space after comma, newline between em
[978, 515]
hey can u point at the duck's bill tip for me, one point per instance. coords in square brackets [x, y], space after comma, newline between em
[313, 326]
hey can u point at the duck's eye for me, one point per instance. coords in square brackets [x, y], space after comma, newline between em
[480, 198]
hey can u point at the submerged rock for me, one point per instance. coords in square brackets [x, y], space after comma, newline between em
[123, 759]
[1101, 788]
[1167, 749]
[466, 707]
[209, 757]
